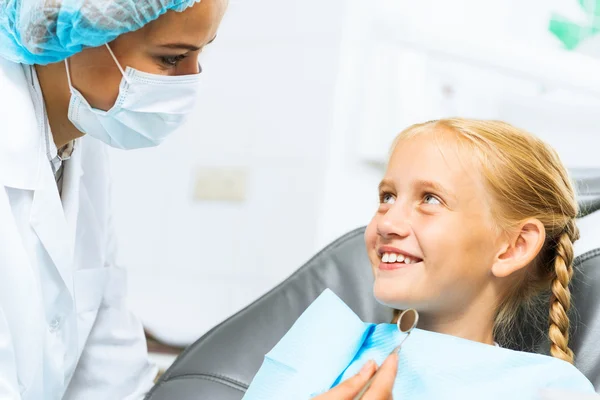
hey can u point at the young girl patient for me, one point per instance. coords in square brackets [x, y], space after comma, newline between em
[475, 230]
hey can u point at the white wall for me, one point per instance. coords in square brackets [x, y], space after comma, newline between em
[407, 62]
[305, 97]
[266, 106]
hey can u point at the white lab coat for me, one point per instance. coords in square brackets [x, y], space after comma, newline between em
[65, 331]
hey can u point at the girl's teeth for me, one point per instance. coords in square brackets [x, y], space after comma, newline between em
[394, 258]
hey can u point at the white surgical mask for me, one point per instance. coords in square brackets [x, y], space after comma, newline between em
[149, 107]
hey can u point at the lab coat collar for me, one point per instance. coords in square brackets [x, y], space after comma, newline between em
[71, 190]
[21, 144]
[48, 221]
[55, 222]
[24, 165]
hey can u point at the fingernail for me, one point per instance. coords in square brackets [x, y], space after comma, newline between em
[366, 369]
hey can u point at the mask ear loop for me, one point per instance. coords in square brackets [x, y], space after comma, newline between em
[113, 57]
[117, 62]
[68, 75]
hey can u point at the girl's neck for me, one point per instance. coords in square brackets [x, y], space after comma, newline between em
[466, 328]
[474, 320]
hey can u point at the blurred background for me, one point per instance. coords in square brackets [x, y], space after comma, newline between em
[301, 100]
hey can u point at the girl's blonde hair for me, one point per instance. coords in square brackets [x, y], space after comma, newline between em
[526, 179]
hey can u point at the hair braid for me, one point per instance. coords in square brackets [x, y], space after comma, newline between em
[560, 301]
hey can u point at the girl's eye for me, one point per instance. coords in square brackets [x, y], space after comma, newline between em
[387, 198]
[431, 199]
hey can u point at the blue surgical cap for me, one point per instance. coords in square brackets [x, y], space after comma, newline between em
[47, 31]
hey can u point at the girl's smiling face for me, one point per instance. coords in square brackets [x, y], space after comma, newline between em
[435, 213]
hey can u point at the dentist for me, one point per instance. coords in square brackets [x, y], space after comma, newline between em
[76, 76]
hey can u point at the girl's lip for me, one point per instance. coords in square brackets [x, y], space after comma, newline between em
[394, 266]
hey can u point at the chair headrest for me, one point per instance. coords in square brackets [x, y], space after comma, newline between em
[587, 184]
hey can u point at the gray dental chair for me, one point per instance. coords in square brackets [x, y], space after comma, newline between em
[222, 363]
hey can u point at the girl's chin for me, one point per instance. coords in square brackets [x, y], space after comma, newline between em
[395, 294]
[390, 298]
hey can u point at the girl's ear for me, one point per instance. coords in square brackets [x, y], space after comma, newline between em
[520, 248]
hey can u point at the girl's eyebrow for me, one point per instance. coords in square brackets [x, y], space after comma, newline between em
[385, 182]
[436, 186]
[422, 183]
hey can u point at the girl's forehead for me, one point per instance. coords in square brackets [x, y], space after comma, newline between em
[434, 150]
[443, 159]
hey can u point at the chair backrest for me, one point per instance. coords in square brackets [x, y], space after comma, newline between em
[221, 364]
[586, 318]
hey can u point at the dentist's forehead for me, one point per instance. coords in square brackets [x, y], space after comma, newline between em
[195, 26]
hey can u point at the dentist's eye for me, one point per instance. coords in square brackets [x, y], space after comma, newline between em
[431, 199]
[387, 198]
[172, 61]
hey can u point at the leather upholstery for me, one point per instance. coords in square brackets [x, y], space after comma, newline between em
[223, 362]
[587, 184]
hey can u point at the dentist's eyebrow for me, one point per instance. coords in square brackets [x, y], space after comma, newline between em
[185, 46]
